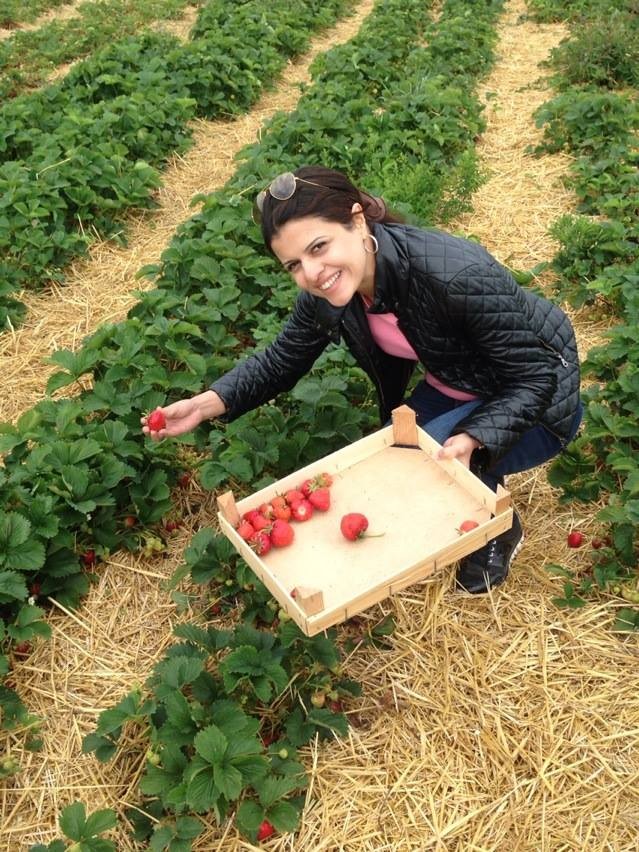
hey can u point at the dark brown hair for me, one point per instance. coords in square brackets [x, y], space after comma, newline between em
[332, 200]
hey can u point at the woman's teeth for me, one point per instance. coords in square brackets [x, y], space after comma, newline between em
[330, 281]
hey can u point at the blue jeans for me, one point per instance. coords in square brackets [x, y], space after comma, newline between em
[438, 415]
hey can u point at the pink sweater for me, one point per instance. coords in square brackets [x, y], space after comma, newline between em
[389, 338]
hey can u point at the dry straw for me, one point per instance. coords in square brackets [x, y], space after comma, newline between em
[492, 723]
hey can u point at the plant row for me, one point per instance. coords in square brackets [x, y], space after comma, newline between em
[595, 117]
[198, 306]
[15, 12]
[29, 57]
[78, 154]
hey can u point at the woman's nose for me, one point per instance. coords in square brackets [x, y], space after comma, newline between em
[312, 269]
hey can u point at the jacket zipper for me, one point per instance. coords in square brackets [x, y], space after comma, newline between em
[552, 349]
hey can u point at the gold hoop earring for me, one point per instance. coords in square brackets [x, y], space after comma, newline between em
[375, 243]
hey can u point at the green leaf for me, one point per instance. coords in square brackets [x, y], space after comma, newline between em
[228, 780]
[72, 821]
[211, 744]
[558, 570]
[12, 587]
[175, 672]
[29, 624]
[188, 828]
[103, 747]
[100, 821]
[249, 817]
[627, 620]
[201, 792]
[284, 816]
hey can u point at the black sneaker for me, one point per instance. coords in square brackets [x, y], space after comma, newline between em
[488, 567]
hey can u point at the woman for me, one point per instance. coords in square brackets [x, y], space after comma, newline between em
[501, 383]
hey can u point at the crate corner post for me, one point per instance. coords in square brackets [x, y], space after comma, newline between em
[228, 508]
[311, 601]
[404, 426]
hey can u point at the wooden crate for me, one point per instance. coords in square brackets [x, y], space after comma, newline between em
[417, 502]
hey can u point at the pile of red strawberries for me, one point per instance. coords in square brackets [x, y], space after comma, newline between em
[268, 526]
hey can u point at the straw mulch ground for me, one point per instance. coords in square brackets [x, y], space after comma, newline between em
[493, 723]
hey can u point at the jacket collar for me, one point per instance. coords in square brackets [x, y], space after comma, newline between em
[391, 270]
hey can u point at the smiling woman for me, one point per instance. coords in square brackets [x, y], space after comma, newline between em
[500, 386]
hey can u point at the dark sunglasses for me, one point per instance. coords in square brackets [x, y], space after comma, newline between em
[281, 188]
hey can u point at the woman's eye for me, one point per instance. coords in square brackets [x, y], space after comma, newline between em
[291, 267]
[318, 246]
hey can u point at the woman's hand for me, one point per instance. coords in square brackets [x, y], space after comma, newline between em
[459, 447]
[186, 415]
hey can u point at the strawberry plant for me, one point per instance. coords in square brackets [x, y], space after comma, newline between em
[84, 831]
[597, 263]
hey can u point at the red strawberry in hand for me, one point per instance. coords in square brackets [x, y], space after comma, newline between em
[353, 526]
[265, 830]
[320, 499]
[156, 420]
[282, 534]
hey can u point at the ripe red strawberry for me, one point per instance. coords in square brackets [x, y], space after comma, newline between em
[184, 479]
[266, 509]
[320, 499]
[260, 542]
[293, 496]
[282, 512]
[336, 706]
[260, 523]
[302, 511]
[171, 526]
[467, 526]
[88, 557]
[281, 509]
[307, 486]
[35, 589]
[22, 648]
[596, 543]
[282, 534]
[251, 515]
[156, 420]
[575, 539]
[265, 830]
[245, 530]
[130, 521]
[353, 526]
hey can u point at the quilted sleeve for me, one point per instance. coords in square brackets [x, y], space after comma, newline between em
[277, 368]
[488, 307]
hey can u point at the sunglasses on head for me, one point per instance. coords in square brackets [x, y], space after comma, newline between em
[281, 188]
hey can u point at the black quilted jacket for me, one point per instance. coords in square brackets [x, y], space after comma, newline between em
[466, 318]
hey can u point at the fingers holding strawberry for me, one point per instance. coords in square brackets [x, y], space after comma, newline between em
[172, 420]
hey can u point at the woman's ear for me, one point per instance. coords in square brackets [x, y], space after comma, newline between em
[358, 214]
